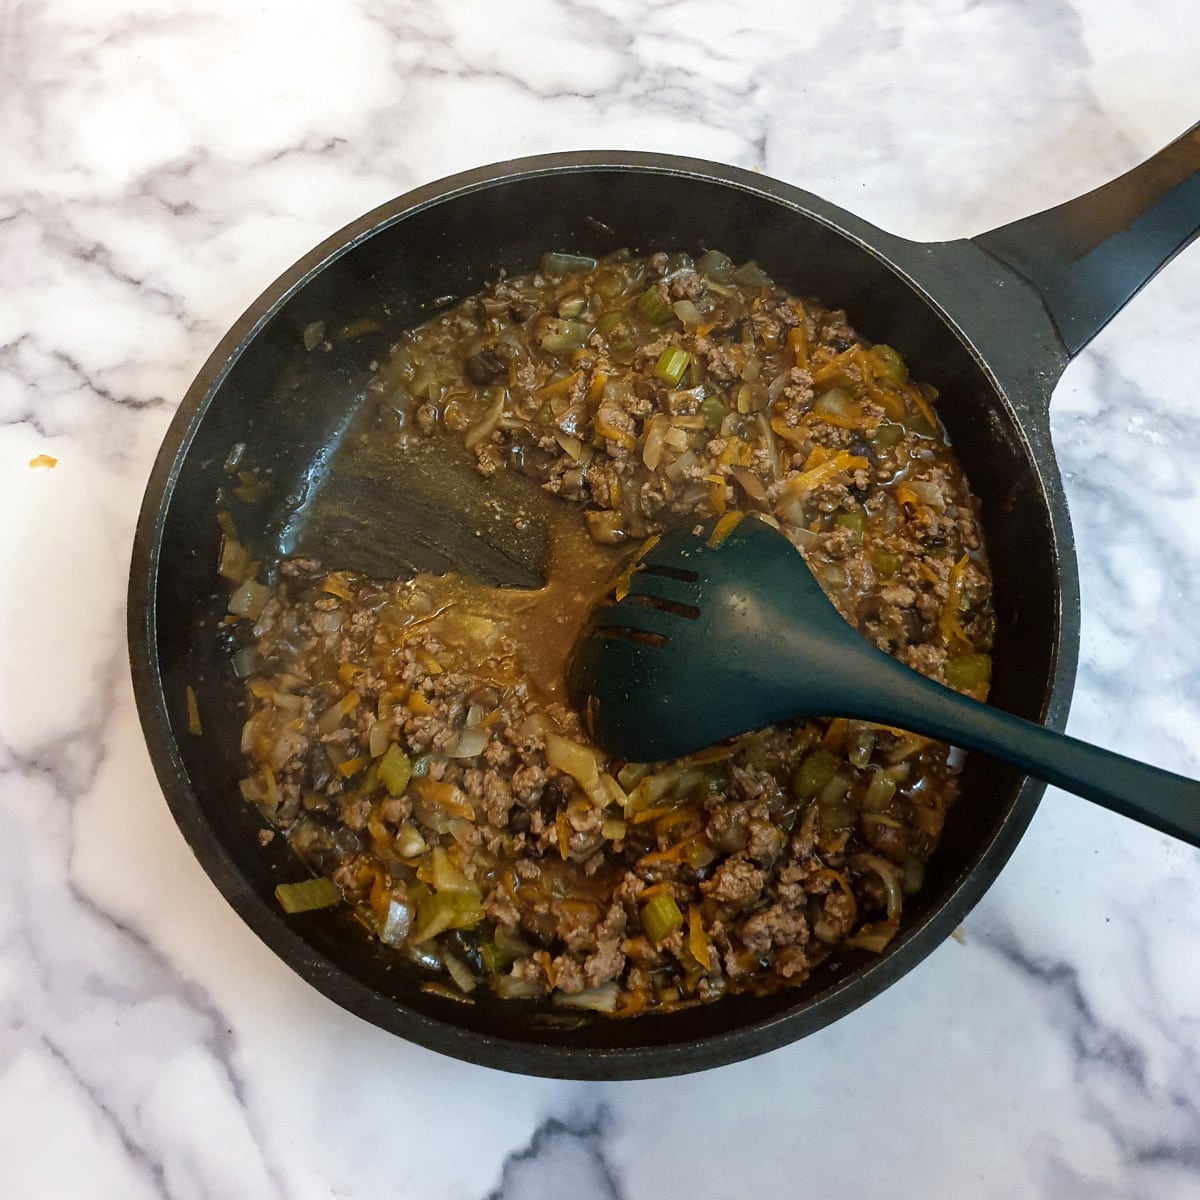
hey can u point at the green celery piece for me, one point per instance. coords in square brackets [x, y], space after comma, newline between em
[308, 895]
[672, 363]
[968, 671]
[816, 769]
[653, 307]
[660, 915]
[395, 770]
[854, 521]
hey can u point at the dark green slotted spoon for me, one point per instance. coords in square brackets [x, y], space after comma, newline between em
[717, 637]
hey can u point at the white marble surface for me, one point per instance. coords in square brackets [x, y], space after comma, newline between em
[160, 163]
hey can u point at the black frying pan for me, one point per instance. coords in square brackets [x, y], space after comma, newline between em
[992, 321]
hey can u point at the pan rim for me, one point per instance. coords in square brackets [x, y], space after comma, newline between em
[560, 1061]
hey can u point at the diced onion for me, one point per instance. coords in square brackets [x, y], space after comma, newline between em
[656, 431]
[889, 874]
[513, 987]
[879, 792]
[470, 743]
[687, 312]
[249, 600]
[572, 759]
[377, 741]
[458, 971]
[245, 662]
[396, 924]
[598, 999]
[487, 423]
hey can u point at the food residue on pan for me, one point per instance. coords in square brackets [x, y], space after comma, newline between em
[411, 741]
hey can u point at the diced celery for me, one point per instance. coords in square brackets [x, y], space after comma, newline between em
[395, 770]
[713, 412]
[609, 321]
[854, 521]
[750, 274]
[816, 769]
[445, 910]
[654, 308]
[660, 915]
[307, 895]
[715, 266]
[672, 363]
[561, 337]
[887, 434]
[889, 366]
[566, 264]
[967, 672]
[886, 563]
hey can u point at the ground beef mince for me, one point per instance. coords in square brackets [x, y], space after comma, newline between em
[411, 741]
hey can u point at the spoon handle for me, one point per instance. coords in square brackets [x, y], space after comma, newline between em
[1164, 801]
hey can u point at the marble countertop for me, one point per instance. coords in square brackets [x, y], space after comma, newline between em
[161, 163]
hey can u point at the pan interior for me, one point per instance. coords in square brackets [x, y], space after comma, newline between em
[294, 409]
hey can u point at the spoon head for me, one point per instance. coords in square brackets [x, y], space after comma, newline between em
[713, 633]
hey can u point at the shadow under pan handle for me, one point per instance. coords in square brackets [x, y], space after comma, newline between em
[1086, 258]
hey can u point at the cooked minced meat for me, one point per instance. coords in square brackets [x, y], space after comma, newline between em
[411, 740]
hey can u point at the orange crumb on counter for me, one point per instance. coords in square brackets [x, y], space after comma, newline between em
[43, 460]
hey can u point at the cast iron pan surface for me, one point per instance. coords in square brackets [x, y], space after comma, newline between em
[991, 321]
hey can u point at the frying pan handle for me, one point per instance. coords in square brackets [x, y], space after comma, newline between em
[1087, 257]
[873, 687]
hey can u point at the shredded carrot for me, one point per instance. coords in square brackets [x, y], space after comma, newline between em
[193, 713]
[351, 766]
[906, 496]
[655, 889]
[836, 372]
[836, 731]
[651, 814]
[816, 458]
[429, 661]
[716, 492]
[336, 585]
[418, 704]
[559, 385]
[631, 1003]
[613, 434]
[658, 857]
[922, 405]
[951, 626]
[724, 527]
[562, 832]
[843, 460]
[668, 821]
[837, 420]
[697, 937]
[596, 390]
[794, 435]
[797, 344]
